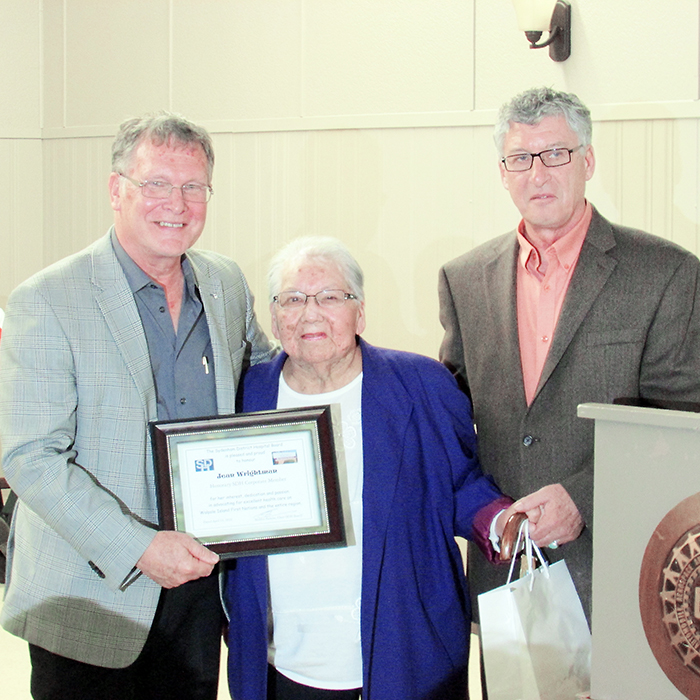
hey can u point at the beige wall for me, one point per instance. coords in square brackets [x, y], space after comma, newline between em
[369, 120]
[21, 170]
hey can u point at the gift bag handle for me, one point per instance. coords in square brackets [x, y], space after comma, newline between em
[530, 549]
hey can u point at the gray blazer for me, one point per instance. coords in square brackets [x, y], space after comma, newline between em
[76, 395]
[629, 327]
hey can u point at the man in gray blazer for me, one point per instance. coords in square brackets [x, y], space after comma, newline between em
[568, 308]
[134, 328]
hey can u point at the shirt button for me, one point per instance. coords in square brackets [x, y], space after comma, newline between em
[545, 338]
[162, 309]
[546, 287]
[528, 440]
[183, 400]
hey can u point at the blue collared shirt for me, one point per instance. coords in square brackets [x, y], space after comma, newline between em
[182, 363]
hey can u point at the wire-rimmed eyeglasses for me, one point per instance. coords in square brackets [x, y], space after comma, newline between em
[328, 298]
[158, 189]
[551, 158]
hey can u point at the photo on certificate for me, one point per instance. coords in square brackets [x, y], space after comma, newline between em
[251, 483]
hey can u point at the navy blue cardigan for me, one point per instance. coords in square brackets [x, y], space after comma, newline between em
[422, 486]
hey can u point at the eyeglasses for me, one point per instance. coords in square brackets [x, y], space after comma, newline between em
[328, 299]
[156, 189]
[551, 158]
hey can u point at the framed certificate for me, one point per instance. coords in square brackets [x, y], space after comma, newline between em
[251, 483]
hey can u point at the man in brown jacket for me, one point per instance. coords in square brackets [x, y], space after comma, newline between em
[567, 309]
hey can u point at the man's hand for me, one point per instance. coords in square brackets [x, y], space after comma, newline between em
[173, 558]
[553, 516]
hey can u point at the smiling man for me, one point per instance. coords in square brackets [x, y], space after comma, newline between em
[136, 327]
[566, 309]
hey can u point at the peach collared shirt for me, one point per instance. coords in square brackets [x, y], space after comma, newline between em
[541, 285]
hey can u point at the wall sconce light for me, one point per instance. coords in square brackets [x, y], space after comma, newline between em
[553, 16]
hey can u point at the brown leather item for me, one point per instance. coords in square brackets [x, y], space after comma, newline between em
[510, 535]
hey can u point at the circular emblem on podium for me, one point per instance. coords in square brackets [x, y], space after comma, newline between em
[669, 595]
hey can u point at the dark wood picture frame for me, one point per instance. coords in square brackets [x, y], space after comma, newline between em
[185, 481]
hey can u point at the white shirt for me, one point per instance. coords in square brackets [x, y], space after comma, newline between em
[315, 595]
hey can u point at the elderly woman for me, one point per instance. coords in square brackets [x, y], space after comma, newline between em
[388, 616]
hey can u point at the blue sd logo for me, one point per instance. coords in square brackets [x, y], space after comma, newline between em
[204, 465]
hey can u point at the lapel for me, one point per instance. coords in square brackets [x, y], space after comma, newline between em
[592, 271]
[261, 388]
[502, 314]
[386, 409]
[116, 301]
[211, 292]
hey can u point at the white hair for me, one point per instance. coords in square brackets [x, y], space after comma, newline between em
[532, 106]
[310, 248]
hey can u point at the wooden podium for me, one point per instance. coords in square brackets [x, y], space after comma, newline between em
[647, 462]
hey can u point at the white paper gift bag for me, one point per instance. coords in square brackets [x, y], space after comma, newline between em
[534, 635]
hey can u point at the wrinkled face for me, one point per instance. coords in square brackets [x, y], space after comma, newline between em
[155, 231]
[314, 334]
[549, 199]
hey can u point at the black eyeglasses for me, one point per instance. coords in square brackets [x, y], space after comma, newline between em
[157, 189]
[551, 158]
[328, 298]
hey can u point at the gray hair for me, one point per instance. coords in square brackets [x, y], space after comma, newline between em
[159, 128]
[316, 248]
[532, 106]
